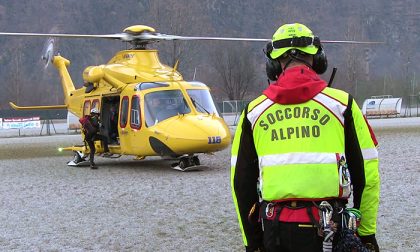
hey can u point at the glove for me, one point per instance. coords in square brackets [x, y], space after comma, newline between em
[370, 242]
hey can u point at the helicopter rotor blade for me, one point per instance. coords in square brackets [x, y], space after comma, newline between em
[159, 36]
[122, 36]
[350, 42]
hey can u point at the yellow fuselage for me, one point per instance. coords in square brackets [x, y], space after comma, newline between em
[196, 131]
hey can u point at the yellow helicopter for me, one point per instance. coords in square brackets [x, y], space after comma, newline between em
[159, 113]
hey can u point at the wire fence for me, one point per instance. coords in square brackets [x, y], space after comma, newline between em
[231, 110]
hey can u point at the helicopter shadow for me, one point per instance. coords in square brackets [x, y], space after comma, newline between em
[154, 164]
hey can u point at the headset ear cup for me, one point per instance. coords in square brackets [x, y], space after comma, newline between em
[273, 69]
[272, 66]
[320, 62]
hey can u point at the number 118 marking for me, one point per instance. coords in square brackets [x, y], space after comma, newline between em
[214, 140]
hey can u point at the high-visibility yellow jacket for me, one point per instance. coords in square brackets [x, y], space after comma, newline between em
[290, 147]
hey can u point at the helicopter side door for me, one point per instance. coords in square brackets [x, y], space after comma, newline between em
[135, 115]
[131, 137]
[122, 129]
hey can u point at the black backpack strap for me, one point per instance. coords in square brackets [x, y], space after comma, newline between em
[354, 155]
[246, 109]
[350, 102]
[348, 113]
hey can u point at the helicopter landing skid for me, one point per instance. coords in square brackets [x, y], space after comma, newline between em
[112, 156]
[188, 163]
[190, 168]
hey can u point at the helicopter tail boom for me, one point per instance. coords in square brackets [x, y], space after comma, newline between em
[61, 64]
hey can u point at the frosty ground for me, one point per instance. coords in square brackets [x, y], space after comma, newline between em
[129, 205]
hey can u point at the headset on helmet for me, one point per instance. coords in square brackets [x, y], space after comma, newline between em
[294, 36]
[94, 111]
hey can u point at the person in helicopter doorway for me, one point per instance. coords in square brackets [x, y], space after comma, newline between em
[295, 149]
[90, 126]
[113, 123]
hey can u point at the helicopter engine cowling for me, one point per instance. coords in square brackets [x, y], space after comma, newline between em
[93, 74]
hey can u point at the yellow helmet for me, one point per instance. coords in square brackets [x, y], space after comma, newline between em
[294, 36]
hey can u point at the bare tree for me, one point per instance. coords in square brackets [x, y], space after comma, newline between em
[175, 18]
[235, 69]
[352, 57]
[13, 87]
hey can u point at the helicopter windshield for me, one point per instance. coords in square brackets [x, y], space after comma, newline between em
[161, 105]
[202, 101]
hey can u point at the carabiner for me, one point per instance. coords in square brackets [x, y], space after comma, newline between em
[269, 210]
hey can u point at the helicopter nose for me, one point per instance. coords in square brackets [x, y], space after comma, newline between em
[196, 134]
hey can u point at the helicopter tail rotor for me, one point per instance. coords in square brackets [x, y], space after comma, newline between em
[48, 52]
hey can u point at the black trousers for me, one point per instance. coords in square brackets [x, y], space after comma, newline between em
[290, 237]
[91, 142]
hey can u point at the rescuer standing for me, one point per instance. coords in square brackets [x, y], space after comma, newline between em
[300, 150]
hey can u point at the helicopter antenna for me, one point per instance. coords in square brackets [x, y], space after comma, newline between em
[175, 68]
[176, 65]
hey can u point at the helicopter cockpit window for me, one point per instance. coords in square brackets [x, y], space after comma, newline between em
[197, 84]
[149, 85]
[202, 101]
[161, 105]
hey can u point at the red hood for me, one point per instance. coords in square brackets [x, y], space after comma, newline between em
[296, 85]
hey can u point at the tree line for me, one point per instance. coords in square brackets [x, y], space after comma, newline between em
[233, 70]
